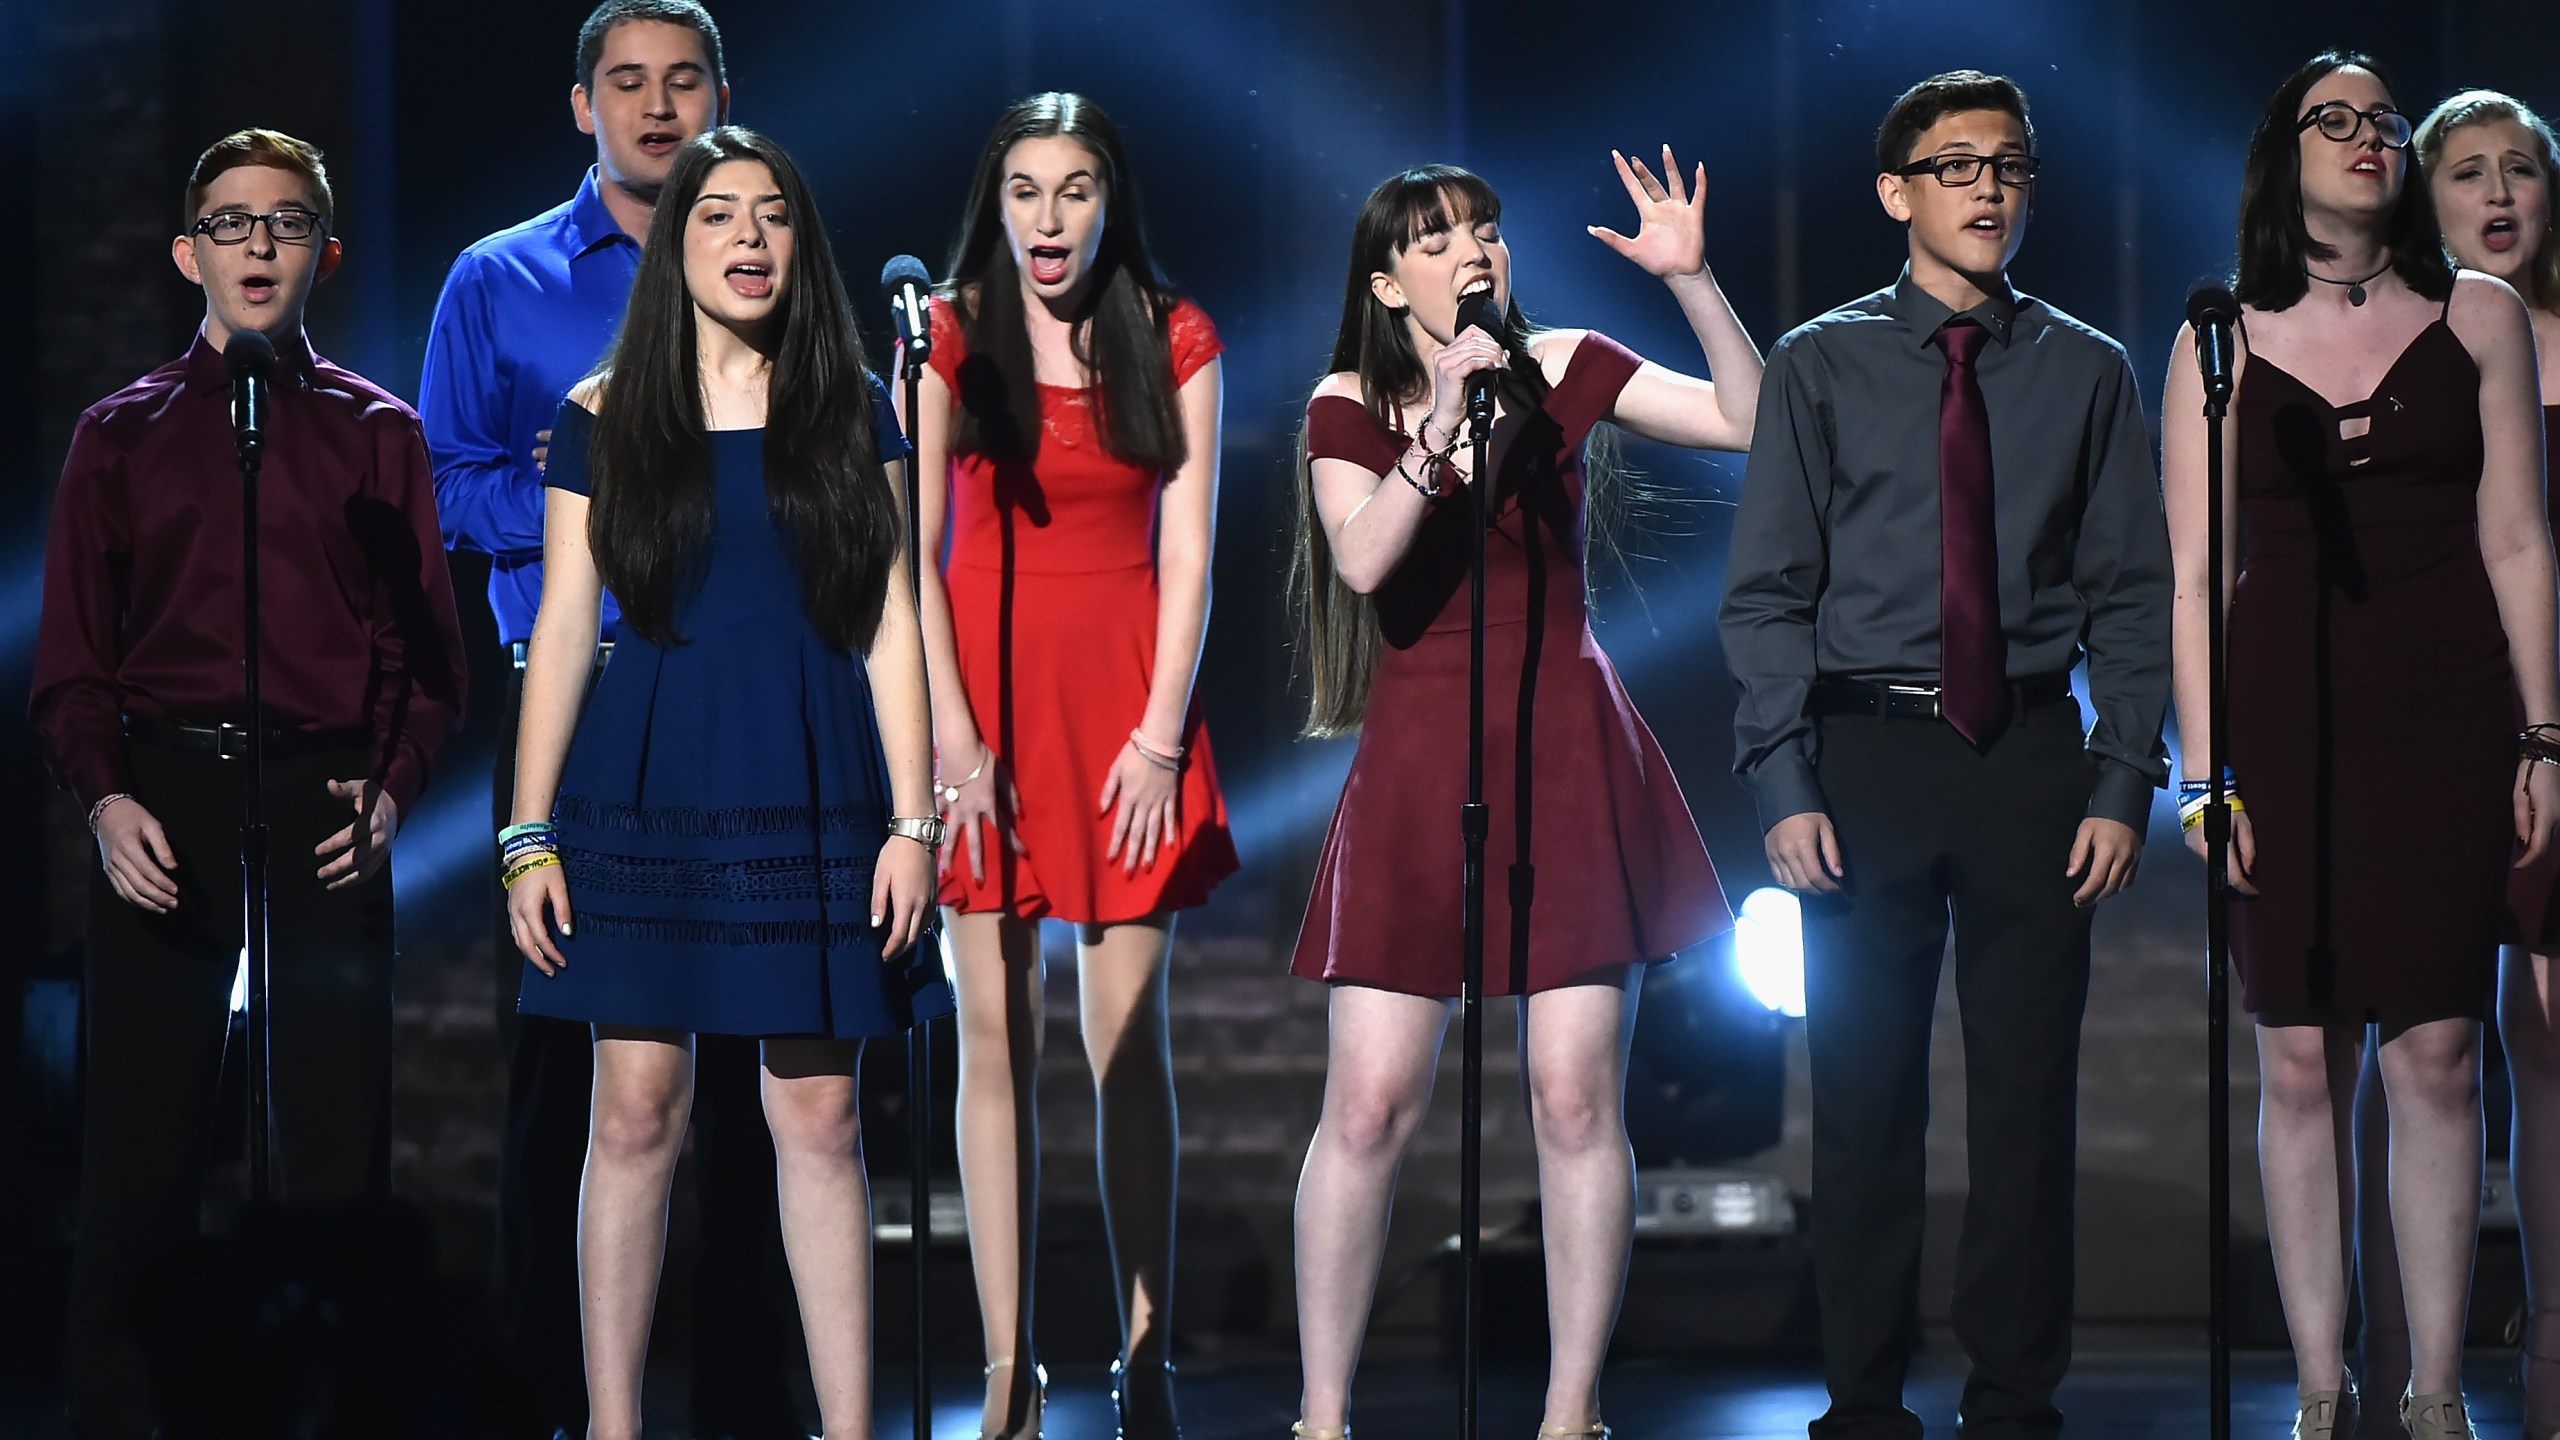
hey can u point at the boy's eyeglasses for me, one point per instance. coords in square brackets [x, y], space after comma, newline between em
[2342, 122]
[1956, 171]
[232, 227]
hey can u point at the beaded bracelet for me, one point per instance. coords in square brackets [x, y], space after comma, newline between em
[2539, 743]
[101, 808]
[539, 862]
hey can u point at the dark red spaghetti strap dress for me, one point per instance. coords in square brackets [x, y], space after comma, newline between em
[2533, 893]
[2372, 708]
[1052, 579]
[1593, 862]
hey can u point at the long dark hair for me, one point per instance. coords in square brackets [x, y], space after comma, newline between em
[651, 454]
[1120, 335]
[2275, 244]
[1337, 626]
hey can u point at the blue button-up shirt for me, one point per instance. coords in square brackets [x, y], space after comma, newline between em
[524, 316]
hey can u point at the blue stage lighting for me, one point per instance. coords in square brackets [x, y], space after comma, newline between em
[1768, 949]
[446, 841]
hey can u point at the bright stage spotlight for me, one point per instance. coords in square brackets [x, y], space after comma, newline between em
[1768, 950]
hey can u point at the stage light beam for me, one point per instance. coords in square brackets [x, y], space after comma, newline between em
[1768, 950]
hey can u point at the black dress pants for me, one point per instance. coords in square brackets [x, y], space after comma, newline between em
[158, 1011]
[745, 1332]
[1932, 829]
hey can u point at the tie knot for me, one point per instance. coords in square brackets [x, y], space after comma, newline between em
[1963, 338]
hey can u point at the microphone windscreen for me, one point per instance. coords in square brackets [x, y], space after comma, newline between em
[249, 353]
[2211, 302]
[904, 270]
[1480, 311]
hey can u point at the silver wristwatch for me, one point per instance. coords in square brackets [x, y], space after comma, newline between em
[926, 830]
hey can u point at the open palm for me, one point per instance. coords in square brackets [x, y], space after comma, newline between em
[1671, 233]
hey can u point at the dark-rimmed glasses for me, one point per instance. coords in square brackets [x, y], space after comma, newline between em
[287, 225]
[2342, 122]
[1957, 171]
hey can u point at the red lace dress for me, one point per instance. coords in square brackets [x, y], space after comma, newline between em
[1051, 574]
[1593, 862]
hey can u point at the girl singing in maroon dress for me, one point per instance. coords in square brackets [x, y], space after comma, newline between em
[2490, 164]
[1595, 868]
[2395, 601]
[1070, 420]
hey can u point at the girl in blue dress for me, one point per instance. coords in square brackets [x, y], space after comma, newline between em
[736, 836]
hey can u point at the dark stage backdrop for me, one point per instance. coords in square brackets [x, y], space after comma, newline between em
[1256, 126]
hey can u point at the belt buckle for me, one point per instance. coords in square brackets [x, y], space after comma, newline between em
[226, 735]
[1927, 695]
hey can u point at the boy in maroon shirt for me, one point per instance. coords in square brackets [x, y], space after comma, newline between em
[138, 698]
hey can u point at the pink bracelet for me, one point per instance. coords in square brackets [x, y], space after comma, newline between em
[101, 808]
[1170, 759]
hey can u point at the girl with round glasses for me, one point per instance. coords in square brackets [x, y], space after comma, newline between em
[2395, 598]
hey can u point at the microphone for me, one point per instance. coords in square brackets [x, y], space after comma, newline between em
[1479, 311]
[906, 282]
[2213, 312]
[250, 357]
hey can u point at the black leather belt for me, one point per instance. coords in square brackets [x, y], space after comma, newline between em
[231, 742]
[1893, 700]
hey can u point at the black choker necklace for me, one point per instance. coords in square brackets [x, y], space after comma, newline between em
[2355, 288]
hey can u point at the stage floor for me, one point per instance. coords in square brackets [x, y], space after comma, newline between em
[2113, 1395]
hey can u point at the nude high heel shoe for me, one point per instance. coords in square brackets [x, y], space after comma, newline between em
[1039, 1404]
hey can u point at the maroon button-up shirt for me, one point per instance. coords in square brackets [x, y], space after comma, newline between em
[142, 573]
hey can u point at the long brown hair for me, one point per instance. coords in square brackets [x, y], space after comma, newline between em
[1338, 634]
[2276, 246]
[1121, 337]
[650, 457]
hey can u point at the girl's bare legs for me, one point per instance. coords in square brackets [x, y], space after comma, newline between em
[812, 1105]
[2384, 1351]
[1121, 992]
[996, 965]
[1381, 1051]
[2431, 1072]
[1574, 1046]
[643, 1098]
[2306, 1081]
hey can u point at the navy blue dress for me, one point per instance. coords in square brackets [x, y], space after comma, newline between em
[725, 801]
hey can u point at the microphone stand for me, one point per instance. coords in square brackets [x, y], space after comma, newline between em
[253, 832]
[1473, 824]
[2217, 911]
[920, 1034]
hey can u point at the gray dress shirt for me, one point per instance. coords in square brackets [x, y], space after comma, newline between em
[1834, 571]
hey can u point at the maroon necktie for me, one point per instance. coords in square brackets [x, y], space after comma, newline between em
[1973, 652]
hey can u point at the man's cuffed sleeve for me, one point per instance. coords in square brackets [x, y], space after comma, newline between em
[77, 703]
[417, 633]
[1773, 584]
[2121, 569]
[488, 497]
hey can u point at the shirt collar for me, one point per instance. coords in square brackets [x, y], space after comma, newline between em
[589, 221]
[206, 371]
[1924, 314]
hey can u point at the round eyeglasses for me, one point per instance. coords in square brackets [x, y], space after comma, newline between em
[288, 226]
[2342, 122]
[1957, 171]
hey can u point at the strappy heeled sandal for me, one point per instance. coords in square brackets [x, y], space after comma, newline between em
[2435, 1417]
[1120, 1400]
[1039, 1403]
[2326, 1415]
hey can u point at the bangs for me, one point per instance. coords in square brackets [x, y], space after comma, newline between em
[1439, 198]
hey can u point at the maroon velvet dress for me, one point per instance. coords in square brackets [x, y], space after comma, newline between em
[2533, 893]
[2372, 707]
[1593, 862]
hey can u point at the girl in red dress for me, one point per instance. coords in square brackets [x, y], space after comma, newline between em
[1594, 866]
[1072, 405]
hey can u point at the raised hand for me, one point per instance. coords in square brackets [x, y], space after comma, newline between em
[1671, 230]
